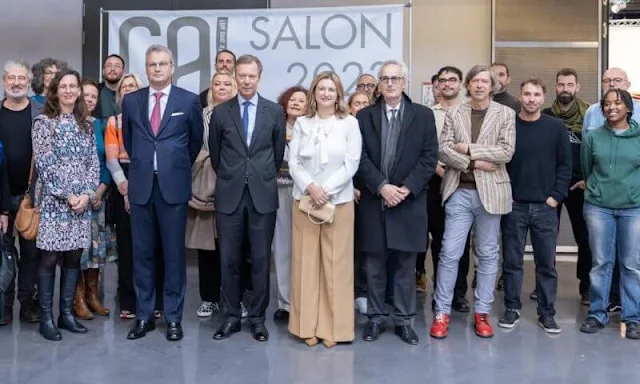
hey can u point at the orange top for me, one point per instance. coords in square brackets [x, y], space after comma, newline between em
[114, 148]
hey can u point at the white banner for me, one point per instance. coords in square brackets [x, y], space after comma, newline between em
[293, 44]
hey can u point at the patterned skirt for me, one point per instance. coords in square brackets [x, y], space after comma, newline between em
[103, 242]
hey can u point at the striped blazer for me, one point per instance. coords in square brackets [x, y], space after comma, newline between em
[496, 143]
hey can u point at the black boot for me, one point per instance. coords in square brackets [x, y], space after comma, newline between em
[47, 326]
[68, 281]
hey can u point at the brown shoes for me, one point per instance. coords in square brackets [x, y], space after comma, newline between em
[86, 299]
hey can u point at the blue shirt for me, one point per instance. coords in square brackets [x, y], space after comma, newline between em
[594, 118]
[99, 126]
[253, 108]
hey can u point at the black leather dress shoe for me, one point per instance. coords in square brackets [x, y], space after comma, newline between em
[260, 332]
[227, 329]
[460, 304]
[407, 334]
[281, 315]
[372, 331]
[141, 328]
[174, 331]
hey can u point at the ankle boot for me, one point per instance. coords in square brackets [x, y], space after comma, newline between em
[93, 299]
[68, 281]
[45, 289]
[80, 308]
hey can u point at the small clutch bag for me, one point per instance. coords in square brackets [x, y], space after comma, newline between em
[317, 215]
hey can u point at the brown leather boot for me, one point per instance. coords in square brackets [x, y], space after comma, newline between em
[93, 300]
[80, 308]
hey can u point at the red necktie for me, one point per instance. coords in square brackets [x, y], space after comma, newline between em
[155, 114]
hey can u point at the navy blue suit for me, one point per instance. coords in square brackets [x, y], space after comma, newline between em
[159, 196]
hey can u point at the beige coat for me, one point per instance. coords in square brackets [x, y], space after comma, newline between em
[496, 143]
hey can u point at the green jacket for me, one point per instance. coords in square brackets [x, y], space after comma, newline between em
[611, 167]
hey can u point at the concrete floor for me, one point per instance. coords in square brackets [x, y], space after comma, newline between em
[523, 355]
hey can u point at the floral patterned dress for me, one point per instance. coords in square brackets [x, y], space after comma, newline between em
[66, 164]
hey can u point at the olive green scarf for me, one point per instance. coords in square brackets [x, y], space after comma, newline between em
[572, 117]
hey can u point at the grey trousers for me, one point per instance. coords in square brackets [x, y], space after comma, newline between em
[282, 245]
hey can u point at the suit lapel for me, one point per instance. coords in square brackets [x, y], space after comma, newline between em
[376, 115]
[168, 110]
[407, 115]
[234, 111]
[465, 113]
[144, 111]
[257, 128]
[488, 122]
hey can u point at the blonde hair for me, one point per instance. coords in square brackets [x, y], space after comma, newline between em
[126, 76]
[234, 88]
[341, 108]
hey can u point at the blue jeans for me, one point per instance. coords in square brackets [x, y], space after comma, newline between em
[608, 229]
[542, 221]
[462, 209]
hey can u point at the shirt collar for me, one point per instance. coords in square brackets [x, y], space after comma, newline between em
[388, 108]
[253, 100]
[164, 90]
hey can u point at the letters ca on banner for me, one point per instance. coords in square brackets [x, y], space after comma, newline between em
[294, 45]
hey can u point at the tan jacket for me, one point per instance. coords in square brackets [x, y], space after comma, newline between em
[496, 143]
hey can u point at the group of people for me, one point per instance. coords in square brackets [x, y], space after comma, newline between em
[345, 193]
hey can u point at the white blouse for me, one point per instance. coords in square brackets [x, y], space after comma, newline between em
[325, 152]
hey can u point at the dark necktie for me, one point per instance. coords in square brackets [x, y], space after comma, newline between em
[245, 119]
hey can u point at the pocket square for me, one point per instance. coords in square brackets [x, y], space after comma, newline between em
[177, 114]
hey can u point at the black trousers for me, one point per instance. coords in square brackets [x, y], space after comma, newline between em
[404, 287]
[126, 290]
[575, 203]
[542, 223]
[209, 274]
[171, 220]
[28, 264]
[245, 226]
[435, 226]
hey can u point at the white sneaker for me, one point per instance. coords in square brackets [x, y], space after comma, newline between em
[243, 310]
[207, 308]
[361, 305]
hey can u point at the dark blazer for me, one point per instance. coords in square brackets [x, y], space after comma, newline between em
[236, 164]
[403, 227]
[178, 142]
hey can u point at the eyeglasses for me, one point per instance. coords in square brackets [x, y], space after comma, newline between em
[450, 81]
[161, 65]
[394, 79]
[616, 81]
[365, 86]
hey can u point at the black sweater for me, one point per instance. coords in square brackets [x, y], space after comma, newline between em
[541, 164]
[575, 141]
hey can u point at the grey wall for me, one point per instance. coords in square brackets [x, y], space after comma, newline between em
[29, 31]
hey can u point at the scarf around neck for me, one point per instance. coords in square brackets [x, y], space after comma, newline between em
[572, 117]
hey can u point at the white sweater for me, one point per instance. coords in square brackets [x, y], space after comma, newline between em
[325, 152]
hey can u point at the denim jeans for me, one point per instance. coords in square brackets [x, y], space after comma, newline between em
[608, 229]
[542, 221]
[462, 209]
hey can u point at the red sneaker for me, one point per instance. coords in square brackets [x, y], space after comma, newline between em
[440, 326]
[483, 326]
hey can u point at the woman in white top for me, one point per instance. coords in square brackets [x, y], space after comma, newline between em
[324, 155]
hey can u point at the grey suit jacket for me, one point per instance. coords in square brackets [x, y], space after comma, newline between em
[496, 143]
[238, 165]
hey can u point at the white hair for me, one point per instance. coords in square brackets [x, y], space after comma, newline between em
[159, 48]
[17, 64]
[402, 65]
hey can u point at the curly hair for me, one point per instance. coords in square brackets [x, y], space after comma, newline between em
[284, 97]
[52, 107]
[37, 83]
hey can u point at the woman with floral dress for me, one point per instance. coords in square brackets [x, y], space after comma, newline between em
[66, 161]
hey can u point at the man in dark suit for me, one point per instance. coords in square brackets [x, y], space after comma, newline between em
[162, 129]
[399, 156]
[246, 141]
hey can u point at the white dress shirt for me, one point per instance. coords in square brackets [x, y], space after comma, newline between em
[253, 108]
[163, 105]
[325, 152]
